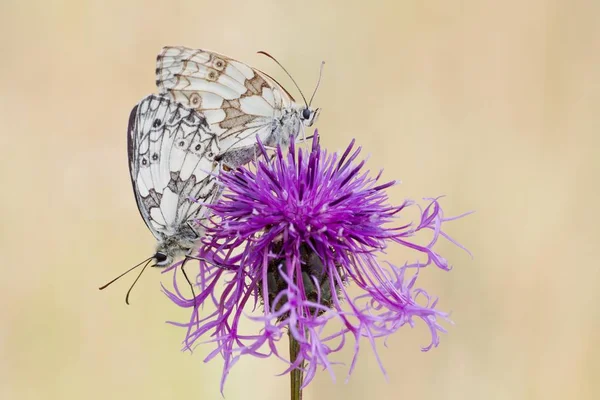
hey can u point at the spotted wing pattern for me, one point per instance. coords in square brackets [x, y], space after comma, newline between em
[239, 102]
[171, 161]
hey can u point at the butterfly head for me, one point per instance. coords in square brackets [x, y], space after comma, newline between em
[309, 116]
[175, 246]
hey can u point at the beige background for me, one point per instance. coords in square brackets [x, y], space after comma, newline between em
[493, 103]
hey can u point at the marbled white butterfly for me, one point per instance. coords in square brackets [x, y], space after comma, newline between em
[172, 164]
[239, 102]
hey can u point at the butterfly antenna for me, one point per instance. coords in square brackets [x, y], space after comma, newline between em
[318, 83]
[264, 53]
[124, 273]
[134, 282]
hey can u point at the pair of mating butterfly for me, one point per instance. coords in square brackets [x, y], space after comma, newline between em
[209, 111]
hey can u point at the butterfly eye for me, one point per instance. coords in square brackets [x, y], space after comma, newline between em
[198, 147]
[160, 257]
[144, 161]
[154, 157]
[210, 155]
[156, 123]
[212, 75]
[181, 143]
[306, 113]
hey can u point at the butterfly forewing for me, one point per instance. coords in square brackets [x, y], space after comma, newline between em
[171, 160]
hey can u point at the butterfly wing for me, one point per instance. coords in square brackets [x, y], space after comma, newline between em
[238, 101]
[171, 160]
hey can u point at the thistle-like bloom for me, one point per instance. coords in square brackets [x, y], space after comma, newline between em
[291, 240]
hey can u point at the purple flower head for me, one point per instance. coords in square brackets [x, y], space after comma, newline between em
[290, 239]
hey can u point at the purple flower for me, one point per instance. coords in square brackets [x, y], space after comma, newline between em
[287, 241]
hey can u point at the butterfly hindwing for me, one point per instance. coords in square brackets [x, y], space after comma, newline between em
[171, 159]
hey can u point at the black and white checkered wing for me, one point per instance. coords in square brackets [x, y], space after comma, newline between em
[171, 161]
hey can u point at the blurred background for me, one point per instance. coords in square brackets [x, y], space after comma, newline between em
[494, 104]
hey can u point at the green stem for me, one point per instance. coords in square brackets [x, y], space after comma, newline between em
[296, 375]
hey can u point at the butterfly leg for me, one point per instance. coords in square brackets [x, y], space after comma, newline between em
[304, 137]
[188, 279]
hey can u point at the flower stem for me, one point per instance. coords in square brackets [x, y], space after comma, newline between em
[296, 375]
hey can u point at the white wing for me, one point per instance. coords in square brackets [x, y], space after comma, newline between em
[239, 102]
[171, 157]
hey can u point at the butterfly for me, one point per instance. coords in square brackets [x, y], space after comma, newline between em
[239, 102]
[208, 114]
[171, 153]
